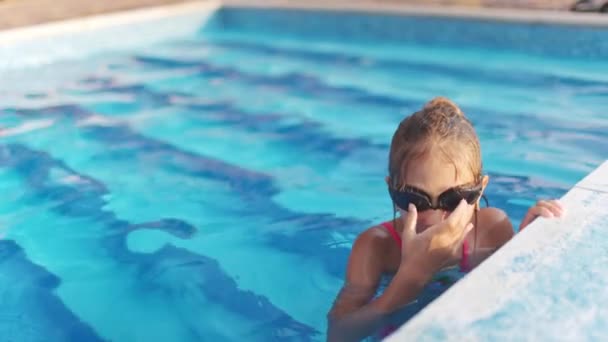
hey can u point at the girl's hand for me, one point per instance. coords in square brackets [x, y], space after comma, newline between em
[430, 250]
[546, 209]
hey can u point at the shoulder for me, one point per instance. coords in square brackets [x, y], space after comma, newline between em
[373, 239]
[492, 215]
[373, 249]
[494, 226]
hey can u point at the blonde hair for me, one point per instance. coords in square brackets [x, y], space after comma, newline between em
[439, 124]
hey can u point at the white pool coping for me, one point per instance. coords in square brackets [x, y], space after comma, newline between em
[46, 43]
[100, 21]
[504, 278]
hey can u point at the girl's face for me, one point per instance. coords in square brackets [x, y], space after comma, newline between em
[434, 176]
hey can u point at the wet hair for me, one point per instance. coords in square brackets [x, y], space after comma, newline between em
[439, 127]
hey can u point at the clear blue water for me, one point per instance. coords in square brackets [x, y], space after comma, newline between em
[209, 188]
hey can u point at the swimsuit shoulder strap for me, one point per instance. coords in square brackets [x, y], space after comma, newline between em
[391, 229]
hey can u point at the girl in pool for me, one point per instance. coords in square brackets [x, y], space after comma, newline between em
[435, 181]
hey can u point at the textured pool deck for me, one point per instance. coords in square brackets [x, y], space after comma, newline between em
[548, 284]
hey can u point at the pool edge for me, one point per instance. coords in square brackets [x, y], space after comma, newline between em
[104, 20]
[496, 281]
[101, 20]
[382, 7]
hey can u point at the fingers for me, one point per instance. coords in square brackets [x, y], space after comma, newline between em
[551, 208]
[445, 237]
[461, 215]
[468, 228]
[546, 209]
[533, 213]
[409, 228]
[530, 216]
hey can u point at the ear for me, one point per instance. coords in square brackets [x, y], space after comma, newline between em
[387, 179]
[484, 182]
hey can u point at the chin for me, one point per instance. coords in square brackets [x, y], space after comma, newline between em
[421, 229]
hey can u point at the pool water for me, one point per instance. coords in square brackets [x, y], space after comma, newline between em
[209, 188]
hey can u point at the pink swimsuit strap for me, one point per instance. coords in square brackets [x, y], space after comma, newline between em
[389, 227]
[464, 261]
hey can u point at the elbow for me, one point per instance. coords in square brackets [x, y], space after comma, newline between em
[333, 330]
[336, 329]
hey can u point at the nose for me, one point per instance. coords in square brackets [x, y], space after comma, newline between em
[428, 218]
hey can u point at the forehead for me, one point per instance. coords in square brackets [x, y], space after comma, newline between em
[435, 174]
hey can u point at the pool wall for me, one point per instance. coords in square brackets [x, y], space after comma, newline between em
[549, 283]
[541, 33]
[534, 32]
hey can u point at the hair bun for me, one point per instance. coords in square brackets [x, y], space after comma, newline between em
[444, 105]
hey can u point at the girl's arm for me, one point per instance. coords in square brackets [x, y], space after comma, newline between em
[353, 316]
